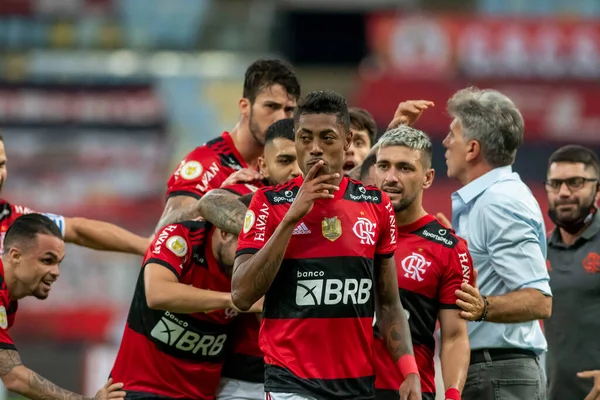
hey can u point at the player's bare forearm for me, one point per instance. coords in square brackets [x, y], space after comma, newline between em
[19, 379]
[99, 235]
[165, 292]
[455, 349]
[254, 274]
[223, 209]
[391, 318]
[519, 306]
[178, 209]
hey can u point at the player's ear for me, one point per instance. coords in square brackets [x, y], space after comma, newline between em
[348, 139]
[428, 179]
[245, 106]
[262, 166]
[15, 255]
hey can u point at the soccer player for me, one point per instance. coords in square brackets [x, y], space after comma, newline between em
[270, 93]
[34, 249]
[320, 249]
[432, 263]
[84, 232]
[177, 329]
[364, 131]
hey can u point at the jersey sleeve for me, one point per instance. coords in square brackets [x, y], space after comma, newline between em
[191, 178]
[258, 225]
[459, 269]
[59, 220]
[386, 244]
[6, 341]
[171, 249]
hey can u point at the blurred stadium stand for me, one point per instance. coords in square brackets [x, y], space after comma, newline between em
[99, 99]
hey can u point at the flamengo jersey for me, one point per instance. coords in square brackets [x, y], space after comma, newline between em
[205, 168]
[432, 263]
[8, 310]
[166, 354]
[316, 330]
[10, 212]
[245, 361]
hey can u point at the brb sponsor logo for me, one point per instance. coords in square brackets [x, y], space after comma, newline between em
[316, 292]
[174, 332]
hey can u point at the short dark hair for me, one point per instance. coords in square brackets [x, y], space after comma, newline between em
[246, 199]
[362, 120]
[574, 153]
[262, 74]
[324, 102]
[368, 162]
[282, 129]
[28, 226]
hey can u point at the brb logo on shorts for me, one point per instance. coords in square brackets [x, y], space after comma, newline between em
[316, 292]
[173, 332]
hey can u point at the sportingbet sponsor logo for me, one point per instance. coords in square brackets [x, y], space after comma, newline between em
[173, 332]
[162, 237]
[288, 197]
[466, 267]
[209, 174]
[438, 237]
[316, 292]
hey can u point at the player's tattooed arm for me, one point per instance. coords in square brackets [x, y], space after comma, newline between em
[178, 209]
[224, 209]
[391, 318]
[20, 379]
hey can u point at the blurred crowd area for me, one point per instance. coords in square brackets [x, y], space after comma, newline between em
[100, 99]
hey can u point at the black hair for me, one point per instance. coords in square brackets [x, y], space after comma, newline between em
[28, 226]
[324, 102]
[576, 154]
[282, 129]
[362, 120]
[262, 74]
[368, 162]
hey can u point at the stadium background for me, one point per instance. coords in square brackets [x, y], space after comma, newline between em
[99, 99]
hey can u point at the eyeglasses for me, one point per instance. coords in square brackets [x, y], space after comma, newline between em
[575, 183]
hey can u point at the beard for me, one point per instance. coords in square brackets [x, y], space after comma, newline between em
[225, 265]
[576, 221]
[255, 130]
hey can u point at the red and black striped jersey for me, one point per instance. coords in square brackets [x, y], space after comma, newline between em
[205, 168]
[8, 310]
[431, 265]
[316, 330]
[9, 212]
[246, 360]
[165, 354]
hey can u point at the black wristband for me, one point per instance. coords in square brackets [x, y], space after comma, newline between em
[485, 310]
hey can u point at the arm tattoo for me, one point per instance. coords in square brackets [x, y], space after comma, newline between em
[178, 209]
[43, 389]
[224, 210]
[265, 276]
[390, 313]
[38, 388]
[9, 359]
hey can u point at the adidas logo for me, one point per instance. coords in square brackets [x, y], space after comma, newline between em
[301, 230]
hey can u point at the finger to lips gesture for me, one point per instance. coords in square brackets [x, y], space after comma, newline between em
[470, 300]
[408, 112]
[312, 189]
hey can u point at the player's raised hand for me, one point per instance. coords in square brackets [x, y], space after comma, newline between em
[410, 389]
[408, 112]
[242, 176]
[110, 391]
[595, 375]
[314, 188]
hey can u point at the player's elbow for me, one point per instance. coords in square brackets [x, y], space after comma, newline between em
[16, 380]
[241, 301]
[545, 308]
[155, 300]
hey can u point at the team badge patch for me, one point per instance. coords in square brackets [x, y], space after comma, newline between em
[190, 170]
[3, 318]
[177, 245]
[331, 228]
[249, 220]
